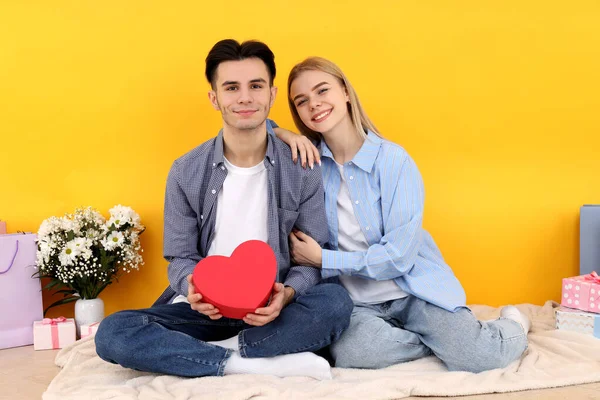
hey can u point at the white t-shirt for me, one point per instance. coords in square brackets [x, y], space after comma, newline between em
[242, 207]
[351, 238]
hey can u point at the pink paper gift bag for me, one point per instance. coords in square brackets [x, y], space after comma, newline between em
[20, 294]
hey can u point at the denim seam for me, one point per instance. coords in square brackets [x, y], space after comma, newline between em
[198, 361]
[320, 342]
[515, 337]
[243, 345]
[220, 364]
[257, 343]
[404, 343]
[189, 322]
[221, 369]
[301, 349]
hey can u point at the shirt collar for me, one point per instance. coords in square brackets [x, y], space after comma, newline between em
[219, 158]
[367, 154]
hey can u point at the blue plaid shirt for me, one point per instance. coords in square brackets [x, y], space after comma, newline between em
[388, 197]
[295, 198]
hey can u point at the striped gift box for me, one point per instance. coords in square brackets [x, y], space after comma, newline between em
[578, 321]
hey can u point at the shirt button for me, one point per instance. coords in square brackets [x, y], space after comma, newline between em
[272, 161]
[223, 168]
[214, 164]
[202, 217]
[213, 191]
[356, 202]
[367, 228]
[351, 177]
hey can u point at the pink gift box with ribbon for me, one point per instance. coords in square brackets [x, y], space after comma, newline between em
[582, 292]
[89, 329]
[53, 333]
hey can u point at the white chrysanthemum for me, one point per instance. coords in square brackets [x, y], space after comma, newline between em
[93, 234]
[113, 240]
[118, 221]
[69, 254]
[49, 227]
[121, 215]
[83, 246]
[67, 224]
[44, 251]
[93, 215]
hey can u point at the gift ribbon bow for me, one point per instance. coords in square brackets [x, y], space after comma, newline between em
[53, 322]
[593, 277]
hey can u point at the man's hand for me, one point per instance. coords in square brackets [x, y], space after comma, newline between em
[299, 144]
[305, 250]
[195, 302]
[281, 297]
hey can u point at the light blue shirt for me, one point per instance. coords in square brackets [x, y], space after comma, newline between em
[387, 194]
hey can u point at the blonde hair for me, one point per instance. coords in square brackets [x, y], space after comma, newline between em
[360, 120]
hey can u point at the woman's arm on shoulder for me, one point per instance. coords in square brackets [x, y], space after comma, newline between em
[299, 144]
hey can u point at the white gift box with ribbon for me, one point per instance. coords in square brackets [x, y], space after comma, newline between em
[89, 329]
[53, 333]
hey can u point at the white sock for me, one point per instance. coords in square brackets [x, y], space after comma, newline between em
[512, 312]
[298, 364]
[231, 343]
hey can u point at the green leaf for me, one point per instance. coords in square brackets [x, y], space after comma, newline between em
[65, 291]
[61, 301]
[54, 284]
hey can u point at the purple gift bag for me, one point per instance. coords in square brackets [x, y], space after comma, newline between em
[20, 294]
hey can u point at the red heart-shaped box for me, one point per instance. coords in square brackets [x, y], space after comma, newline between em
[239, 284]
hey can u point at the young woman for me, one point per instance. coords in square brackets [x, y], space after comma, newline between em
[407, 302]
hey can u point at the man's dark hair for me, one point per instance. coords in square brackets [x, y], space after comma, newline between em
[231, 50]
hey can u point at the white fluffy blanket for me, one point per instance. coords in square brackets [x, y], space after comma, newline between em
[554, 358]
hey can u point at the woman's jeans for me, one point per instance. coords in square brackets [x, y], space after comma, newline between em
[407, 329]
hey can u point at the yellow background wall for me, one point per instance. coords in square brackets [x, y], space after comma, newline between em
[496, 101]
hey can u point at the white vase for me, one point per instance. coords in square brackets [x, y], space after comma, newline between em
[88, 311]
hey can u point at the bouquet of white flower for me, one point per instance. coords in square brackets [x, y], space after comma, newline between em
[82, 253]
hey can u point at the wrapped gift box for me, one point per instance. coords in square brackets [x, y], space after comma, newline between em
[582, 292]
[89, 329]
[578, 321]
[53, 333]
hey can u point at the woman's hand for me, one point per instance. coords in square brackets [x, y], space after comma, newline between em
[300, 144]
[305, 250]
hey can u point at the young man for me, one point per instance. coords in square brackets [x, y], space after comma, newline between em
[241, 185]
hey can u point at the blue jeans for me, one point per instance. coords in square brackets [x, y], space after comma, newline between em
[407, 329]
[171, 338]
